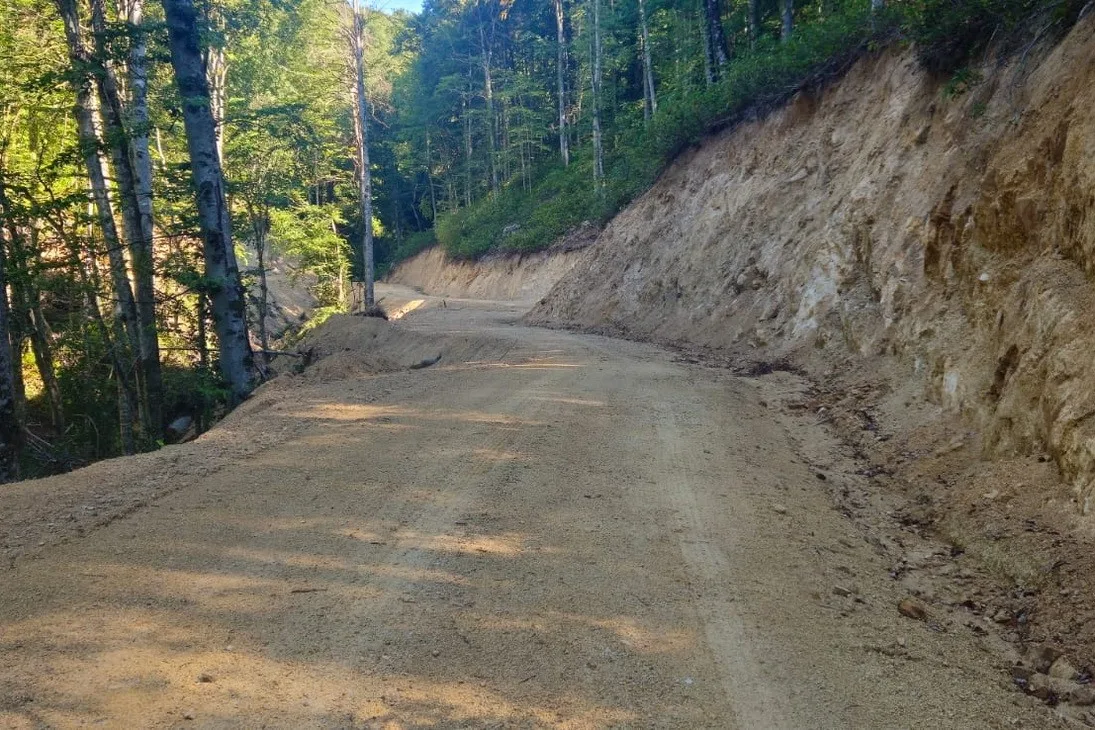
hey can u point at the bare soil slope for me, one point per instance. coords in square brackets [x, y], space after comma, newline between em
[924, 253]
[543, 530]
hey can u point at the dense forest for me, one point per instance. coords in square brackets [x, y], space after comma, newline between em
[155, 158]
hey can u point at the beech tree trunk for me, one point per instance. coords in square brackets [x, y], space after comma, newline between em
[598, 143]
[125, 310]
[142, 248]
[10, 426]
[787, 16]
[650, 106]
[560, 76]
[226, 295]
[718, 53]
[365, 178]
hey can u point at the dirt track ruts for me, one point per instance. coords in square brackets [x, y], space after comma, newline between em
[583, 533]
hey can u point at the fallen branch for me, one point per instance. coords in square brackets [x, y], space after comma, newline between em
[308, 590]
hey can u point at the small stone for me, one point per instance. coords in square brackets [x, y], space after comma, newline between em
[911, 608]
[189, 715]
[1082, 696]
[435, 653]
[1063, 669]
[779, 509]
[842, 591]
[1002, 616]
[205, 678]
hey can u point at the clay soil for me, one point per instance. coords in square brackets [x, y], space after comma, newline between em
[546, 529]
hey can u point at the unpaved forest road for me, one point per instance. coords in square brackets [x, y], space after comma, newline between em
[582, 533]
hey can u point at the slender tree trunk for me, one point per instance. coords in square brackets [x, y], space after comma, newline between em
[650, 106]
[560, 79]
[708, 67]
[117, 138]
[10, 424]
[752, 20]
[486, 53]
[718, 52]
[429, 180]
[787, 17]
[142, 248]
[259, 225]
[467, 150]
[598, 144]
[365, 178]
[125, 309]
[229, 305]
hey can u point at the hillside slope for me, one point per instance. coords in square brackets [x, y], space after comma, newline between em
[887, 215]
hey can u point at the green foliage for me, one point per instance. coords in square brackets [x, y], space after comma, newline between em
[521, 220]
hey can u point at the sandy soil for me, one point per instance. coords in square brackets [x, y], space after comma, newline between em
[546, 529]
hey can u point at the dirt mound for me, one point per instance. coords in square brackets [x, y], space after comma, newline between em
[349, 346]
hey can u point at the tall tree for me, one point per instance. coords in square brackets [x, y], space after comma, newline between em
[222, 278]
[560, 76]
[125, 314]
[650, 97]
[787, 19]
[361, 138]
[718, 53]
[598, 141]
[10, 427]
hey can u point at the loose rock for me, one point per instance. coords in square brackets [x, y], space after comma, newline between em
[911, 608]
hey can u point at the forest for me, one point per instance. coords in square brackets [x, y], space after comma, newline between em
[155, 158]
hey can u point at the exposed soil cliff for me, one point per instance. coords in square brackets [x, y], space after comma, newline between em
[506, 278]
[924, 251]
[888, 216]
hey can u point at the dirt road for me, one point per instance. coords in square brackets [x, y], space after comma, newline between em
[561, 531]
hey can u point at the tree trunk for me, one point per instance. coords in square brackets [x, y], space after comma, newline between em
[228, 303]
[708, 67]
[365, 178]
[125, 309]
[787, 16]
[560, 78]
[650, 106]
[10, 425]
[598, 144]
[117, 138]
[259, 225]
[718, 53]
[488, 96]
[752, 20]
[142, 248]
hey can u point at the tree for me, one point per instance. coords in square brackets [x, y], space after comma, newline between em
[10, 426]
[718, 54]
[650, 98]
[222, 279]
[560, 75]
[598, 142]
[361, 140]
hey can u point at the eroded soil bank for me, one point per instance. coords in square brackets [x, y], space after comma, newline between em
[923, 254]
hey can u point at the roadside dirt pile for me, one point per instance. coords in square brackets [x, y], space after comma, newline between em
[950, 225]
[524, 278]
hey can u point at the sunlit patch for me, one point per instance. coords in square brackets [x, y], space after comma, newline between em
[404, 309]
[499, 455]
[571, 401]
[507, 544]
[632, 634]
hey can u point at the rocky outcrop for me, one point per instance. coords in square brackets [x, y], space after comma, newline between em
[887, 216]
